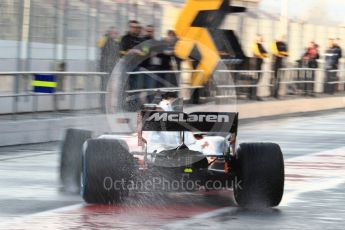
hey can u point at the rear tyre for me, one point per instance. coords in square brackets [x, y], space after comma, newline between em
[260, 175]
[108, 167]
[71, 158]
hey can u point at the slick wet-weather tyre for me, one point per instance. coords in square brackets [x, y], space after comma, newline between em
[259, 181]
[108, 168]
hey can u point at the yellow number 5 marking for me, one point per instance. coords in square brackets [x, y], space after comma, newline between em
[191, 37]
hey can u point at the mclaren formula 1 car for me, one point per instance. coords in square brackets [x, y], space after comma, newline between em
[177, 152]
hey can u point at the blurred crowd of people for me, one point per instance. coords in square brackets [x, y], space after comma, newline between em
[150, 54]
[153, 54]
[309, 59]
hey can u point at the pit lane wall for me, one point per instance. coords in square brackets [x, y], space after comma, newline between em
[29, 131]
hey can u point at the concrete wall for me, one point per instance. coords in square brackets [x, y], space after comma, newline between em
[39, 131]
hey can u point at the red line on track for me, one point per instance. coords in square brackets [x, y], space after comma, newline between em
[126, 216]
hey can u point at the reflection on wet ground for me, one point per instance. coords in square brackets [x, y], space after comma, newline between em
[314, 199]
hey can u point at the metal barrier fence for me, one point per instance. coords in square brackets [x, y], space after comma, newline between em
[75, 91]
[226, 85]
[172, 80]
[298, 81]
[306, 81]
[341, 76]
[86, 90]
[235, 83]
[166, 84]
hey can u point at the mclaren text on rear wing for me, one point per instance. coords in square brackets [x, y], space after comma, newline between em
[194, 122]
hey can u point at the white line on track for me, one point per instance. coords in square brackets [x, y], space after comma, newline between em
[47, 213]
[20, 156]
[315, 172]
[309, 173]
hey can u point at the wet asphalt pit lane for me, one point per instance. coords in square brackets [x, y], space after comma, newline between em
[314, 196]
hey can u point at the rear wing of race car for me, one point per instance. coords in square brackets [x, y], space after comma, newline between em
[205, 122]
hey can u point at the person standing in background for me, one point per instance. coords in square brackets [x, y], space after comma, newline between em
[173, 39]
[260, 54]
[331, 64]
[110, 50]
[167, 56]
[310, 58]
[151, 60]
[279, 51]
[110, 54]
[129, 45]
[147, 48]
